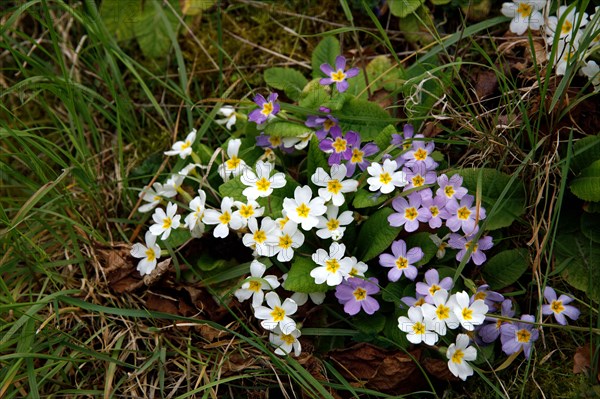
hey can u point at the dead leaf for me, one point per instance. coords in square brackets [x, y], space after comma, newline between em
[118, 267]
[159, 270]
[582, 360]
[161, 303]
[439, 369]
[486, 84]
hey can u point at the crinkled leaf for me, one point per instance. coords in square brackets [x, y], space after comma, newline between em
[364, 117]
[401, 8]
[365, 198]
[587, 185]
[286, 129]
[376, 235]
[195, 7]
[392, 331]
[586, 151]
[382, 74]
[370, 325]
[422, 241]
[289, 80]
[590, 226]
[314, 95]
[177, 238]
[384, 138]
[299, 278]
[233, 188]
[151, 29]
[324, 53]
[582, 263]
[505, 268]
[120, 16]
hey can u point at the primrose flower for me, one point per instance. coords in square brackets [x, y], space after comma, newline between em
[249, 210]
[153, 195]
[359, 154]
[465, 243]
[301, 298]
[463, 215]
[491, 298]
[257, 238]
[440, 243]
[490, 332]
[284, 242]
[451, 187]
[269, 142]
[172, 185]
[337, 75]
[401, 262]
[261, 183]
[325, 123]
[333, 226]
[525, 14]
[436, 207]
[569, 24]
[354, 295]
[418, 328]
[298, 142]
[418, 175]
[164, 222]
[334, 186]
[338, 146]
[254, 285]
[565, 55]
[385, 178]
[149, 253]
[420, 153]
[333, 267]
[183, 148]
[357, 269]
[234, 165]
[193, 221]
[519, 335]
[469, 314]
[303, 209]
[230, 117]
[276, 314]
[188, 168]
[433, 284]
[458, 354]
[440, 312]
[409, 213]
[268, 108]
[592, 71]
[404, 141]
[559, 307]
[417, 300]
[224, 219]
[285, 343]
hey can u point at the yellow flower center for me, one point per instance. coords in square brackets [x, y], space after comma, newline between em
[263, 184]
[419, 302]
[334, 186]
[385, 178]
[255, 286]
[278, 314]
[150, 255]
[267, 108]
[287, 338]
[418, 328]
[401, 263]
[418, 181]
[186, 144]
[225, 217]
[246, 211]
[339, 145]
[523, 336]
[333, 224]
[434, 210]
[360, 294]
[433, 289]
[524, 10]
[442, 312]
[338, 76]
[463, 213]
[353, 272]
[411, 213]
[259, 236]
[285, 241]
[332, 265]
[457, 357]
[233, 163]
[557, 306]
[328, 124]
[275, 141]
[303, 210]
[420, 154]
[167, 223]
[283, 222]
[471, 245]
[449, 191]
[567, 27]
[467, 314]
[480, 295]
[357, 156]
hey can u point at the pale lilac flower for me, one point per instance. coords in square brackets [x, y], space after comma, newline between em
[519, 335]
[525, 14]
[337, 75]
[325, 123]
[338, 146]
[354, 294]
[359, 154]
[436, 207]
[559, 307]
[458, 354]
[464, 215]
[420, 152]
[255, 285]
[276, 314]
[452, 187]
[164, 222]
[433, 284]
[490, 332]
[148, 253]
[418, 328]
[265, 141]
[465, 243]
[268, 108]
[418, 175]
[491, 298]
[409, 213]
[385, 178]
[417, 300]
[402, 261]
[404, 141]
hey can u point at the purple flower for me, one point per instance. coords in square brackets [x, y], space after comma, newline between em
[436, 207]
[465, 243]
[420, 152]
[325, 123]
[451, 188]
[517, 336]
[491, 298]
[410, 212]
[433, 284]
[338, 146]
[354, 295]
[402, 261]
[359, 154]
[337, 75]
[559, 307]
[418, 175]
[464, 215]
[490, 332]
[404, 140]
[268, 108]
[409, 301]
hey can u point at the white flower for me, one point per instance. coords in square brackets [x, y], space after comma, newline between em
[234, 166]
[441, 312]
[277, 314]
[441, 244]
[458, 354]
[525, 14]
[564, 55]
[469, 316]
[172, 185]
[153, 196]
[417, 328]
[224, 219]
[193, 221]
[301, 298]
[257, 238]
[261, 184]
[334, 186]
[164, 222]
[285, 343]
[188, 168]
[303, 209]
[331, 225]
[357, 269]
[249, 210]
[183, 148]
[299, 142]
[385, 178]
[254, 285]
[230, 117]
[149, 254]
[592, 71]
[568, 26]
[333, 266]
[284, 243]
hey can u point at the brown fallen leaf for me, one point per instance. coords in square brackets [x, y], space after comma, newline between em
[486, 84]
[117, 265]
[439, 369]
[582, 360]
[161, 303]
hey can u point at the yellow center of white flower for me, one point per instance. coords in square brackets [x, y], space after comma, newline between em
[338, 76]
[303, 210]
[334, 186]
[283, 222]
[339, 145]
[255, 286]
[186, 144]
[353, 272]
[449, 191]
[420, 154]
[523, 336]
[463, 213]
[434, 210]
[419, 328]
[267, 108]
[259, 236]
[401, 263]
[278, 314]
[557, 306]
[167, 223]
[442, 312]
[457, 357]
[385, 178]
[263, 184]
[332, 265]
[225, 217]
[566, 28]
[467, 314]
[333, 224]
[360, 294]
[357, 156]
[524, 10]
[246, 211]
[285, 241]
[275, 141]
[418, 181]
[411, 213]
[233, 163]
[150, 255]
[287, 338]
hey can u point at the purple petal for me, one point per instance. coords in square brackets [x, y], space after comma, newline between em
[387, 260]
[340, 62]
[273, 97]
[396, 220]
[352, 138]
[370, 149]
[326, 81]
[327, 70]
[411, 272]
[352, 72]
[342, 86]
[370, 305]
[399, 248]
[352, 307]
[259, 100]
[350, 168]
[572, 312]
[549, 294]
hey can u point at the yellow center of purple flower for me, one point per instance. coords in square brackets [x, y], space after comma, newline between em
[275, 141]
[267, 108]
[523, 336]
[360, 294]
[339, 145]
[449, 191]
[411, 213]
[434, 211]
[418, 181]
[401, 263]
[471, 245]
[338, 76]
[463, 213]
[328, 124]
[420, 154]
[557, 306]
[357, 156]
[434, 288]
[480, 295]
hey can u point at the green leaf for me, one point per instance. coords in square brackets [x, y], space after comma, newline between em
[324, 53]
[233, 188]
[493, 183]
[401, 8]
[587, 185]
[392, 331]
[370, 325]
[314, 95]
[364, 117]
[289, 80]
[590, 226]
[376, 235]
[286, 129]
[505, 268]
[207, 263]
[316, 158]
[177, 238]
[582, 259]
[586, 151]
[382, 74]
[299, 278]
[151, 29]
[394, 291]
[195, 7]
[384, 138]
[120, 16]
[422, 241]
[366, 199]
